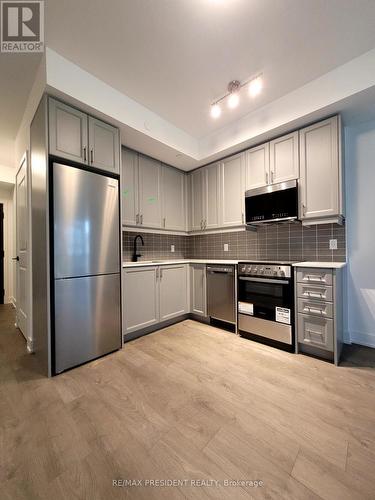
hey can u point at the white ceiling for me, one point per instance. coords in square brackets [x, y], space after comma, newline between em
[176, 56]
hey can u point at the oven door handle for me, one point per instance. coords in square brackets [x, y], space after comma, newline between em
[264, 280]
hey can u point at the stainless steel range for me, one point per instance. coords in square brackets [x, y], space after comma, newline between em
[266, 302]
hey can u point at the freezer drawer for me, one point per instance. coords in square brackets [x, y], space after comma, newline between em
[86, 223]
[316, 332]
[87, 319]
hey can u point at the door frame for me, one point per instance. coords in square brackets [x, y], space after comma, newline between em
[2, 251]
[28, 334]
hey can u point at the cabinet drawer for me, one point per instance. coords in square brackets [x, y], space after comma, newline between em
[315, 308]
[305, 291]
[316, 332]
[315, 276]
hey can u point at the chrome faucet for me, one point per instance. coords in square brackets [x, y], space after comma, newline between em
[135, 254]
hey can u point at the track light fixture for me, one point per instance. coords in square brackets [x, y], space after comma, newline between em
[232, 96]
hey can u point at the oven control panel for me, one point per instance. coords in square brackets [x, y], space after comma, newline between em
[266, 270]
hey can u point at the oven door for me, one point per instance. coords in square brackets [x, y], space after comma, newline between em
[266, 298]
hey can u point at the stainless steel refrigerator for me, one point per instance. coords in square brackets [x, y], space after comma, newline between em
[86, 264]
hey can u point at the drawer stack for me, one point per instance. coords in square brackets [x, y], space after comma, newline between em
[316, 317]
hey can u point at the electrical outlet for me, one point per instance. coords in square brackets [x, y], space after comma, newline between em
[172, 248]
[226, 247]
[333, 244]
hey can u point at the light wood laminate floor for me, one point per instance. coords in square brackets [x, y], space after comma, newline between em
[190, 402]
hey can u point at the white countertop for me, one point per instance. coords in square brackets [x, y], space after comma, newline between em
[177, 261]
[321, 265]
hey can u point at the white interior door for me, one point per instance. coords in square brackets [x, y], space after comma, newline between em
[22, 247]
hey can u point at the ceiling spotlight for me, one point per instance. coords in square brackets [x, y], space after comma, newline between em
[233, 89]
[233, 100]
[215, 110]
[255, 86]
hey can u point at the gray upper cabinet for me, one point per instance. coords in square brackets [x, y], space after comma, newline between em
[211, 196]
[140, 298]
[257, 166]
[149, 192]
[173, 199]
[67, 132]
[197, 188]
[232, 191]
[78, 137]
[129, 190]
[173, 291]
[104, 146]
[320, 171]
[284, 159]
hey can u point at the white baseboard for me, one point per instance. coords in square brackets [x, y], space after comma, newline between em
[365, 339]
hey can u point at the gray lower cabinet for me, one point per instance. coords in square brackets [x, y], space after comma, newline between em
[319, 315]
[140, 298]
[173, 291]
[315, 331]
[152, 294]
[198, 289]
[76, 136]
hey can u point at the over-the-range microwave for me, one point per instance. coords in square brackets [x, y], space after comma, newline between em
[274, 203]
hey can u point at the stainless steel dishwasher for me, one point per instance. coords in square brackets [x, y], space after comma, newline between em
[220, 292]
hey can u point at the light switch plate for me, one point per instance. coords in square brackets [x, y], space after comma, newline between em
[226, 247]
[333, 244]
[172, 248]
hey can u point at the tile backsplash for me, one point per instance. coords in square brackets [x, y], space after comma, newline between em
[273, 242]
[156, 247]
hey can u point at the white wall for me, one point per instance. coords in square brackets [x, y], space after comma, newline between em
[22, 141]
[360, 198]
[7, 174]
[6, 197]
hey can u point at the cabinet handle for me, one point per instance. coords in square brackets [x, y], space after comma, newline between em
[142, 219]
[137, 219]
[242, 218]
[91, 156]
[84, 154]
[157, 273]
[314, 310]
[205, 224]
[202, 225]
[164, 222]
[316, 295]
[266, 177]
[161, 273]
[304, 210]
[314, 333]
[317, 279]
[271, 177]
